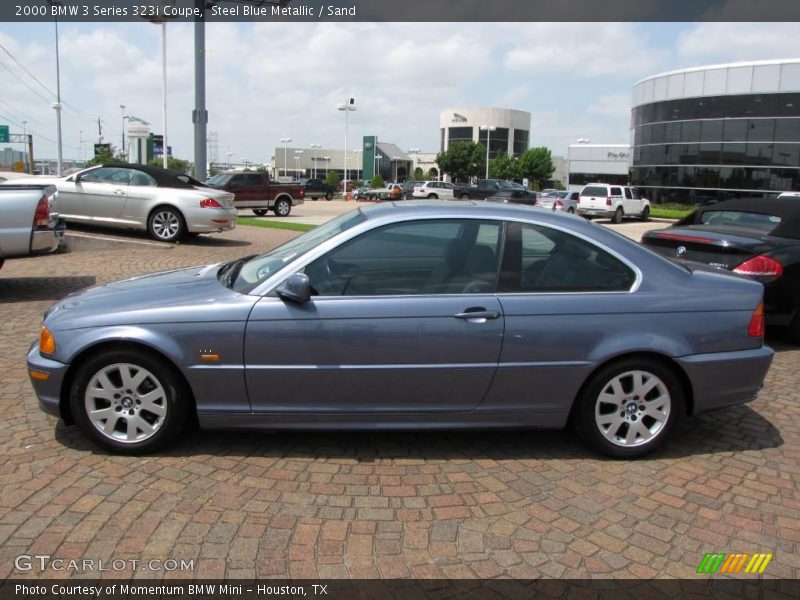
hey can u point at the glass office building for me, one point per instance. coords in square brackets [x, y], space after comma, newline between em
[712, 133]
[511, 133]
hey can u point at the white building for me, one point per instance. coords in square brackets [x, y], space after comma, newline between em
[596, 163]
[293, 162]
[511, 132]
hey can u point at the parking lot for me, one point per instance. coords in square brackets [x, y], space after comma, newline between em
[521, 504]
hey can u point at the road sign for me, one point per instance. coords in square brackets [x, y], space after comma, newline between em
[19, 166]
[4, 138]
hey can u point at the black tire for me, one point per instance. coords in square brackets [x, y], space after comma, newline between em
[172, 396]
[618, 214]
[464, 197]
[667, 394]
[433, 197]
[645, 214]
[282, 207]
[328, 196]
[571, 210]
[166, 224]
[260, 212]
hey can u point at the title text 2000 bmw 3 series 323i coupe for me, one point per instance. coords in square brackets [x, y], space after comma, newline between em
[410, 316]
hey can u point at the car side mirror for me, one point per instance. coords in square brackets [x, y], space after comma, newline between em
[76, 178]
[297, 288]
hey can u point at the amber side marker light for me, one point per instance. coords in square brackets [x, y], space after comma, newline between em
[756, 327]
[47, 343]
[38, 375]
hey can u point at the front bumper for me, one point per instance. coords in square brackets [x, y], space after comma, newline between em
[48, 390]
[726, 378]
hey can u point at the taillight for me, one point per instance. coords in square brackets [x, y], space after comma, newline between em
[756, 326]
[559, 204]
[763, 268]
[209, 203]
[608, 201]
[302, 192]
[41, 218]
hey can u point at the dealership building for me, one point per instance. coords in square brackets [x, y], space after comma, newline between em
[510, 134]
[717, 132]
[596, 163]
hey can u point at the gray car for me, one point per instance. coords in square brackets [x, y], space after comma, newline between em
[410, 315]
[166, 204]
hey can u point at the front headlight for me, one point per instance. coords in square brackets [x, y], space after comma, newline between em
[47, 343]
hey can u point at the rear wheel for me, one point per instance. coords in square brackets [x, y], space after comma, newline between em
[628, 408]
[618, 214]
[128, 401]
[166, 224]
[259, 212]
[646, 214]
[282, 207]
[433, 197]
[328, 196]
[464, 197]
[571, 210]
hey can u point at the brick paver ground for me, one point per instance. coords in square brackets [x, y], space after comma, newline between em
[430, 505]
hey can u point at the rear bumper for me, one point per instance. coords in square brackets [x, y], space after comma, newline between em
[209, 220]
[726, 378]
[48, 390]
[44, 241]
[595, 212]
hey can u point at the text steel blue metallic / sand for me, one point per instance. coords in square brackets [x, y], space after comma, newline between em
[411, 315]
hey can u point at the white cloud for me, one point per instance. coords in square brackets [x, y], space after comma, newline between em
[726, 42]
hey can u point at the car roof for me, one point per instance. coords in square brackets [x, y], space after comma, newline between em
[163, 177]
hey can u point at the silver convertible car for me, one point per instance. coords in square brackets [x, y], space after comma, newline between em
[410, 315]
[166, 204]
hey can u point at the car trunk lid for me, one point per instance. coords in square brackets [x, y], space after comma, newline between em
[715, 248]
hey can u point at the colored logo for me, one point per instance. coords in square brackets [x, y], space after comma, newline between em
[734, 563]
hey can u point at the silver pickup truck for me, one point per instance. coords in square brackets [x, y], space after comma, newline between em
[29, 220]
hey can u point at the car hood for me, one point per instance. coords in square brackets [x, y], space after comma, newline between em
[190, 295]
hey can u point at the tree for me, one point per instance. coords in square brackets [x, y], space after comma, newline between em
[463, 160]
[504, 167]
[419, 174]
[559, 186]
[332, 178]
[105, 156]
[536, 164]
[173, 164]
[377, 181]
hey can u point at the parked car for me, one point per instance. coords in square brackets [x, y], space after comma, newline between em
[316, 189]
[259, 193]
[612, 201]
[29, 220]
[395, 191]
[484, 189]
[756, 237]
[166, 204]
[515, 197]
[789, 195]
[408, 188]
[404, 319]
[563, 201]
[363, 193]
[442, 190]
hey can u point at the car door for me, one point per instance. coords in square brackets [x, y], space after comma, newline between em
[103, 192]
[561, 296]
[403, 318]
[142, 191]
[630, 202]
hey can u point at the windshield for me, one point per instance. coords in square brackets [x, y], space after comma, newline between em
[220, 179]
[260, 268]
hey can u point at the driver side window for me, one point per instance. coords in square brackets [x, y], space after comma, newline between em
[452, 256]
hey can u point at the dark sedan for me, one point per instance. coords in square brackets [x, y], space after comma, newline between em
[521, 196]
[410, 315]
[751, 236]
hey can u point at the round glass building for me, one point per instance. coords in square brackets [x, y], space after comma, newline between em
[712, 133]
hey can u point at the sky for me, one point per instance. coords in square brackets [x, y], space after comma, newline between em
[266, 81]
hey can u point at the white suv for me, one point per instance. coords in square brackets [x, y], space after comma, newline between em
[613, 202]
[434, 189]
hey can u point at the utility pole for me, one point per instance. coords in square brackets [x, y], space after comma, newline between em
[200, 114]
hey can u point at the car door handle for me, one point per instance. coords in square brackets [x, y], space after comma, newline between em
[477, 315]
[119, 192]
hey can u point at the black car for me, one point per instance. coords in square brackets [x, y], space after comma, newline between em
[514, 196]
[316, 189]
[750, 236]
[408, 188]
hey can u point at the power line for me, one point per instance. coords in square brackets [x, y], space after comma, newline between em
[21, 66]
[36, 133]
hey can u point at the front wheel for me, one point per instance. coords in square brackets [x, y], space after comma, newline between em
[128, 401]
[628, 408]
[618, 214]
[464, 197]
[259, 212]
[328, 196]
[282, 207]
[646, 213]
[166, 224]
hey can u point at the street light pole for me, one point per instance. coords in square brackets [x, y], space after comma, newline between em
[488, 129]
[122, 106]
[314, 158]
[164, 92]
[297, 154]
[57, 105]
[285, 141]
[347, 107]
